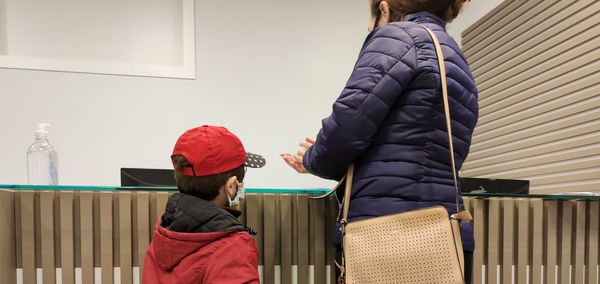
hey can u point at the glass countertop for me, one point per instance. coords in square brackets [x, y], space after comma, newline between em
[574, 195]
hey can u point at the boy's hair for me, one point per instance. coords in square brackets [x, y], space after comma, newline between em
[205, 187]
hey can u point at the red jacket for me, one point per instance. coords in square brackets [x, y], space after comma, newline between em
[210, 257]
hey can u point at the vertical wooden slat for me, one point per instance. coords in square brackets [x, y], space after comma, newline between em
[67, 245]
[252, 220]
[319, 214]
[551, 244]
[330, 228]
[508, 240]
[106, 242]
[143, 227]
[161, 202]
[8, 252]
[523, 244]
[479, 255]
[537, 237]
[493, 240]
[286, 238]
[565, 252]
[269, 239]
[303, 236]
[579, 234]
[28, 237]
[592, 243]
[47, 235]
[87, 235]
[125, 251]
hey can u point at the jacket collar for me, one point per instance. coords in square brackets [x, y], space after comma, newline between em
[425, 18]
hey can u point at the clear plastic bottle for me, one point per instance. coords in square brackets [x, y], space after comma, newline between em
[42, 159]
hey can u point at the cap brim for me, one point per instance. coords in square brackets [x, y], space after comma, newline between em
[254, 160]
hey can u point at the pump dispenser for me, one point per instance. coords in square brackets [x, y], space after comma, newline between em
[42, 159]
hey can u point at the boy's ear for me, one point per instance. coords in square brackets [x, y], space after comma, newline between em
[231, 187]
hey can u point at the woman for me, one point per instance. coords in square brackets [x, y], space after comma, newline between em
[389, 119]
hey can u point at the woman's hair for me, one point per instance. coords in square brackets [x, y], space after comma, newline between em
[445, 9]
[205, 187]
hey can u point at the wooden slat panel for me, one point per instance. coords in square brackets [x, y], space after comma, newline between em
[581, 129]
[303, 236]
[269, 238]
[570, 165]
[579, 235]
[592, 242]
[125, 248]
[555, 41]
[537, 252]
[534, 25]
[286, 238]
[535, 161]
[551, 244]
[479, 231]
[161, 202]
[87, 235]
[558, 117]
[494, 233]
[483, 27]
[8, 250]
[144, 225]
[503, 114]
[566, 239]
[252, 219]
[319, 227]
[28, 237]
[332, 208]
[67, 244]
[47, 236]
[106, 237]
[523, 244]
[548, 148]
[508, 240]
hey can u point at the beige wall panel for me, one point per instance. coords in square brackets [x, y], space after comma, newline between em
[8, 251]
[494, 233]
[67, 245]
[566, 187]
[570, 165]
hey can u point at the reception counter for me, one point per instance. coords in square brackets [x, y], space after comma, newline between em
[86, 234]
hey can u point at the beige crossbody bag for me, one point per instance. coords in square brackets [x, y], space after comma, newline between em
[419, 246]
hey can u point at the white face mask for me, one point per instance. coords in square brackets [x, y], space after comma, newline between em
[240, 194]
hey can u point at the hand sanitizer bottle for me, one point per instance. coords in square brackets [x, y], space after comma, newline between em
[42, 159]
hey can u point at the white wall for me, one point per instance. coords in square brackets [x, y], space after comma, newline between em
[268, 70]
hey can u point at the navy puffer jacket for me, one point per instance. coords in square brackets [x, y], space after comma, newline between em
[390, 121]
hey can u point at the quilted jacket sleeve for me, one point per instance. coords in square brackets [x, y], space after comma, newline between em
[386, 65]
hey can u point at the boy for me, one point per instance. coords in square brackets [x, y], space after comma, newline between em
[199, 239]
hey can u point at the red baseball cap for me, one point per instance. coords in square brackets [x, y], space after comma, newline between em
[213, 150]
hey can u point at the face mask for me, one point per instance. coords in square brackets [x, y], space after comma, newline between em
[240, 194]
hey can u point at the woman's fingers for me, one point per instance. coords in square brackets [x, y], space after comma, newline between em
[310, 140]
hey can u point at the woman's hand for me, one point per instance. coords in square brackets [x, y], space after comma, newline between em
[295, 161]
